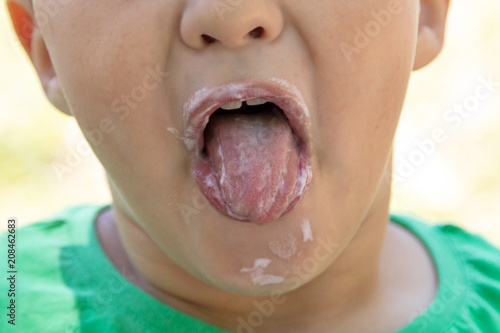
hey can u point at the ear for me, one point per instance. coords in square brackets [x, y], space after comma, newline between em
[430, 31]
[28, 33]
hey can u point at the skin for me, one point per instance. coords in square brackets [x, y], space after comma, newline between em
[90, 54]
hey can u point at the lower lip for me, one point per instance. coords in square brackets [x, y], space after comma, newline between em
[202, 171]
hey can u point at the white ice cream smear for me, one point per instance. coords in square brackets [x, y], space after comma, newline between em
[258, 265]
[262, 280]
[175, 132]
[284, 248]
[257, 276]
[306, 230]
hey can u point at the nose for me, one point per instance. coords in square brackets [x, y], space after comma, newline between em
[233, 23]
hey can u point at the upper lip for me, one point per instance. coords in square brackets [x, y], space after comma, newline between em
[204, 102]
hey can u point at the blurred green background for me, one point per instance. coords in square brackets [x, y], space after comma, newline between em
[455, 180]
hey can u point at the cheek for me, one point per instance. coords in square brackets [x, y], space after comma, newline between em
[108, 55]
[112, 69]
[369, 63]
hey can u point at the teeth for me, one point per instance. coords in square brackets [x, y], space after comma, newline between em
[232, 106]
[237, 105]
[256, 101]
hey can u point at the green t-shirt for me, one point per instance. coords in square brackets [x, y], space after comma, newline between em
[65, 283]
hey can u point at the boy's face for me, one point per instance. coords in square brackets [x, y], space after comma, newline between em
[127, 68]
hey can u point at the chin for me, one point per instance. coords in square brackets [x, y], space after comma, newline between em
[271, 268]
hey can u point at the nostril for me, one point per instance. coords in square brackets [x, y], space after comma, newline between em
[257, 32]
[208, 39]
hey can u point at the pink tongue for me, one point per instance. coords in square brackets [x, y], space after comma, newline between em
[255, 159]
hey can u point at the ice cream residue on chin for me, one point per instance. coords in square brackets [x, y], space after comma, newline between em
[306, 230]
[284, 248]
[257, 273]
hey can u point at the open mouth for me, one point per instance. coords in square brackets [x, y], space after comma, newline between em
[251, 154]
[256, 110]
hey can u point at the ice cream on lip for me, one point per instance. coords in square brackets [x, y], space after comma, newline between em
[254, 165]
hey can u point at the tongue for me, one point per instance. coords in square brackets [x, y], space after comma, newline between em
[255, 159]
